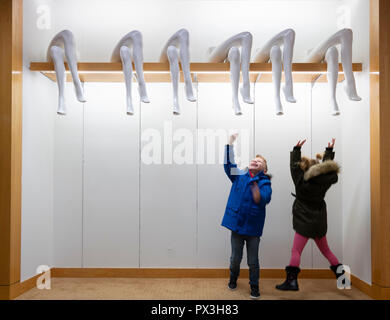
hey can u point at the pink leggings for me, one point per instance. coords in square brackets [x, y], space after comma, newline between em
[299, 245]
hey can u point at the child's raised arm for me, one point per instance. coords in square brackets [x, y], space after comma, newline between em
[295, 158]
[329, 153]
[228, 164]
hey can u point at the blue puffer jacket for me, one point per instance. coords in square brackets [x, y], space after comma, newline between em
[242, 214]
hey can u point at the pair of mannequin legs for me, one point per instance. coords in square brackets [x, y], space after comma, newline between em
[62, 43]
[328, 52]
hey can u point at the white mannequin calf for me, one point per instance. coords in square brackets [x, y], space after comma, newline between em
[129, 48]
[271, 51]
[229, 51]
[178, 42]
[64, 42]
[328, 52]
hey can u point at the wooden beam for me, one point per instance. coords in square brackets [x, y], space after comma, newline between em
[205, 72]
[380, 142]
[11, 56]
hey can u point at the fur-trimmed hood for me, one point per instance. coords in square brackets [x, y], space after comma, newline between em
[321, 168]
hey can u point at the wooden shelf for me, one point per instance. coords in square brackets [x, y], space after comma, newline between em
[203, 72]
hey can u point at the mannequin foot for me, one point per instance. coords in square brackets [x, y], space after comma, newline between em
[142, 94]
[288, 94]
[130, 109]
[237, 108]
[335, 108]
[279, 107]
[61, 107]
[246, 95]
[351, 93]
[176, 107]
[80, 95]
[189, 92]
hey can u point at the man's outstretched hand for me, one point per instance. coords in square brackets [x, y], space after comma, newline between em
[300, 143]
[233, 138]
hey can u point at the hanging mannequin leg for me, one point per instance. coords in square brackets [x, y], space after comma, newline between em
[234, 59]
[346, 60]
[246, 48]
[276, 60]
[332, 59]
[173, 58]
[72, 62]
[56, 54]
[185, 63]
[288, 50]
[128, 73]
[138, 64]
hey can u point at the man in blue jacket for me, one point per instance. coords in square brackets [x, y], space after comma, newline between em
[245, 214]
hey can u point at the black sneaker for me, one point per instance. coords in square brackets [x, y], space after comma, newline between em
[232, 284]
[255, 292]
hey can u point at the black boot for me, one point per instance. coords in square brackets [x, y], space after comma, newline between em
[338, 274]
[291, 282]
[232, 283]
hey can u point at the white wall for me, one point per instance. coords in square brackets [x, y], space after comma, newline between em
[99, 206]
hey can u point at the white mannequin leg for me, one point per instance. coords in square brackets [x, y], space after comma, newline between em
[288, 51]
[138, 58]
[173, 58]
[128, 73]
[70, 53]
[332, 59]
[56, 55]
[246, 48]
[276, 60]
[346, 60]
[234, 59]
[185, 63]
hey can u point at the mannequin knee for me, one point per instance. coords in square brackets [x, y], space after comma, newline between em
[247, 36]
[234, 55]
[67, 35]
[136, 35]
[172, 53]
[290, 34]
[276, 54]
[125, 53]
[347, 32]
[184, 34]
[56, 52]
[332, 55]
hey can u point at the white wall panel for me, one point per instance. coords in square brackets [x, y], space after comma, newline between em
[216, 113]
[168, 191]
[37, 174]
[275, 138]
[68, 192]
[111, 178]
